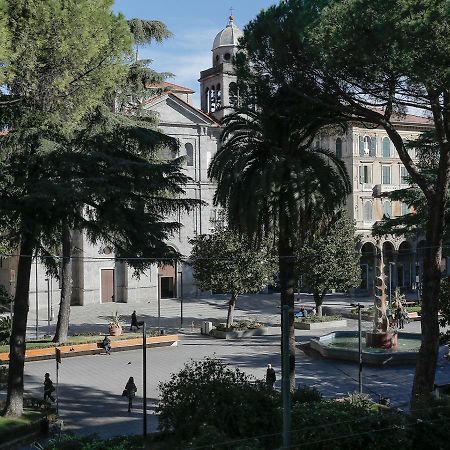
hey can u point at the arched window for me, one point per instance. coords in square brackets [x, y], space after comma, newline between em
[366, 145]
[218, 97]
[367, 211]
[339, 148]
[189, 154]
[386, 147]
[207, 101]
[387, 209]
[212, 99]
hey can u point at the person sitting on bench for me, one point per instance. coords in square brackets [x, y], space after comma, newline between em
[106, 345]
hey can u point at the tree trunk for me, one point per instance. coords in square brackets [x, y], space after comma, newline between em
[14, 398]
[231, 305]
[428, 354]
[62, 326]
[318, 300]
[287, 283]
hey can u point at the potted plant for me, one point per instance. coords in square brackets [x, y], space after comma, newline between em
[115, 325]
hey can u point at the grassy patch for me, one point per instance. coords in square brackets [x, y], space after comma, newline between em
[74, 340]
[316, 319]
[11, 428]
[245, 325]
[416, 309]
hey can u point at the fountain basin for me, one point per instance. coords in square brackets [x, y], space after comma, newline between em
[343, 345]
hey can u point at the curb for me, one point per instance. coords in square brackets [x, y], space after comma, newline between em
[91, 348]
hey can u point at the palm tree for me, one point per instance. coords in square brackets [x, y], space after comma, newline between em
[272, 181]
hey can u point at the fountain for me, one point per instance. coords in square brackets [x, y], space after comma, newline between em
[381, 337]
[382, 344]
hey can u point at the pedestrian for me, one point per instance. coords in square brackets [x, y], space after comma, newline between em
[134, 322]
[48, 388]
[270, 376]
[398, 317]
[106, 345]
[130, 391]
[303, 312]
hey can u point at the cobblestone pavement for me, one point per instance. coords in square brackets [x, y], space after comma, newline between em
[90, 386]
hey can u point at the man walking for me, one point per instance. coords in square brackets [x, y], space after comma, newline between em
[270, 376]
[48, 388]
[134, 322]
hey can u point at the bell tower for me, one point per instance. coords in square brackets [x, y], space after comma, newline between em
[215, 82]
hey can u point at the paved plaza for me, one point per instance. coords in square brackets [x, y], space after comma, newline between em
[91, 386]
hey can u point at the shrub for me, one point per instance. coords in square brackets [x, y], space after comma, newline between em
[208, 393]
[306, 394]
[315, 319]
[342, 425]
[5, 329]
[3, 374]
[92, 442]
[244, 325]
[361, 401]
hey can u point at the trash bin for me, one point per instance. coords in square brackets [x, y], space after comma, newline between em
[206, 327]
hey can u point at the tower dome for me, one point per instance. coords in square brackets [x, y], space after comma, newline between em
[225, 43]
[218, 83]
[228, 36]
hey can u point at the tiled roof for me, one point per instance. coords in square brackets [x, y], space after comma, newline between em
[171, 87]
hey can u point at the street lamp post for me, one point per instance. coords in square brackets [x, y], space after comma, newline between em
[144, 370]
[180, 276]
[159, 304]
[360, 386]
[37, 298]
[48, 304]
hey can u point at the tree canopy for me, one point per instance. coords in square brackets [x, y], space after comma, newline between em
[332, 260]
[227, 262]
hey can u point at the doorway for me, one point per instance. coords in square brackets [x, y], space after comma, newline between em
[167, 281]
[107, 285]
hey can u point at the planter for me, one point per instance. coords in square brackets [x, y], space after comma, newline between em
[91, 348]
[381, 340]
[115, 330]
[238, 334]
[320, 325]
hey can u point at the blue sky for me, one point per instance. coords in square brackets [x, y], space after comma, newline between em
[194, 24]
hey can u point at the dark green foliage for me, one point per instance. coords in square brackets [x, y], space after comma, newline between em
[145, 31]
[93, 442]
[207, 393]
[5, 329]
[444, 308]
[331, 260]
[341, 425]
[306, 394]
[3, 374]
[225, 261]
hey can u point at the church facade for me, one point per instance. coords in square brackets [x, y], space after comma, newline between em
[369, 156]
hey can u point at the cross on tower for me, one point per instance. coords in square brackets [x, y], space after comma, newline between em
[231, 11]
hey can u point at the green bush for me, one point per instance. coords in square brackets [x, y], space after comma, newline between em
[306, 394]
[315, 319]
[361, 401]
[3, 374]
[5, 329]
[341, 425]
[92, 442]
[207, 393]
[244, 325]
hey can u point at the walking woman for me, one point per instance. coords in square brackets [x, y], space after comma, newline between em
[130, 391]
